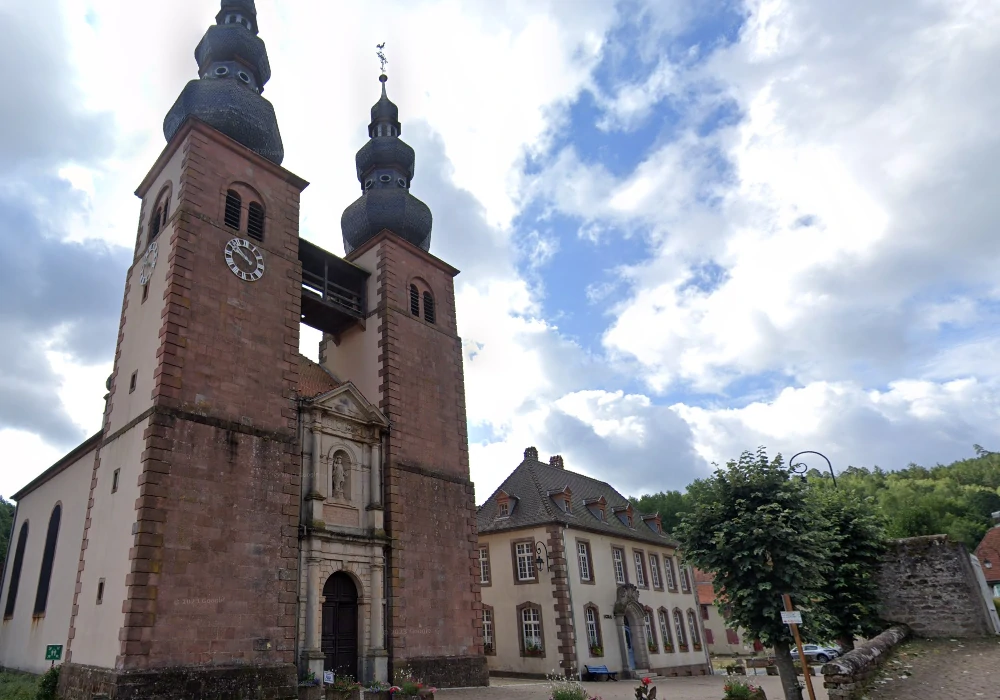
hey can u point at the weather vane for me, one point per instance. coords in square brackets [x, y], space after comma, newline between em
[381, 55]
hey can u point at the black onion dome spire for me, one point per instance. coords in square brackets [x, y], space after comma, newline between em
[233, 69]
[385, 170]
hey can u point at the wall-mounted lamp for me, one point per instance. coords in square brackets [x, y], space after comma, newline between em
[539, 561]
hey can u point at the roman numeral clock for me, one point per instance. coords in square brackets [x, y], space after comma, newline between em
[244, 259]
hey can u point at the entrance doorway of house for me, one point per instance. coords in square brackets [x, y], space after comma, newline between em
[628, 645]
[340, 625]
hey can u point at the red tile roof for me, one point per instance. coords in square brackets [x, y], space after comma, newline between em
[701, 576]
[313, 379]
[989, 551]
[706, 593]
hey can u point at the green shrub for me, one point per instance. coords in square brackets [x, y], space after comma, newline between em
[18, 686]
[48, 684]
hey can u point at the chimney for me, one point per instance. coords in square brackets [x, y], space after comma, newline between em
[531, 453]
[557, 462]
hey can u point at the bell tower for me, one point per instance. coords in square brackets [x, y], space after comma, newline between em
[406, 355]
[186, 585]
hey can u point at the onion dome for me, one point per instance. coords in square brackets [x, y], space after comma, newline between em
[233, 69]
[385, 168]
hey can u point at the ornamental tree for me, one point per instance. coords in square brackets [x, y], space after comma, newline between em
[752, 527]
[856, 544]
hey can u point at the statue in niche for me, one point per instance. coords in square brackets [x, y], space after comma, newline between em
[339, 477]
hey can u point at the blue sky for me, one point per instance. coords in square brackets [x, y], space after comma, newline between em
[685, 229]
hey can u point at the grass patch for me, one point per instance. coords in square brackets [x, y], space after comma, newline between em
[18, 686]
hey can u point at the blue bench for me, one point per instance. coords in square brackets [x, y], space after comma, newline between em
[593, 671]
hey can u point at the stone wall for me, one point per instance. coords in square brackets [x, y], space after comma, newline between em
[928, 584]
[847, 677]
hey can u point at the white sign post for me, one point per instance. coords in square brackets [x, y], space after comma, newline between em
[791, 618]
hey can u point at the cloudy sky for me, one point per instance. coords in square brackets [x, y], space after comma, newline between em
[685, 228]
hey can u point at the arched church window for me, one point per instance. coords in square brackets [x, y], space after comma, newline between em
[233, 205]
[428, 307]
[255, 221]
[154, 224]
[414, 300]
[15, 572]
[48, 560]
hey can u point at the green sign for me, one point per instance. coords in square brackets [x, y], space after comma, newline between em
[53, 652]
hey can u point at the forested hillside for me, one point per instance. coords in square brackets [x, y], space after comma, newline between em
[6, 518]
[955, 499]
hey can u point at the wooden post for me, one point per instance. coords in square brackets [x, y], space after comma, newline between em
[806, 670]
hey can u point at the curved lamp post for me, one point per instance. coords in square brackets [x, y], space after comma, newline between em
[541, 563]
[802, 467]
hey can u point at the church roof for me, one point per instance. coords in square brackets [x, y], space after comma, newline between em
[314, 379]
[528, 488]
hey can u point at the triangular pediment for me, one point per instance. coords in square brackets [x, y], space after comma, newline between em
[348, 402]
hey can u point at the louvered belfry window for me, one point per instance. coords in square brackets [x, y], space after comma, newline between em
[233, 205]
[428, 307]
[255, 221]
[414, 300]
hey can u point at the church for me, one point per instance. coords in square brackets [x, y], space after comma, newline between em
[247, 517]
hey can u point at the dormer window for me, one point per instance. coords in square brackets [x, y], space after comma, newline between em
[503, 509]
[597, 506]
[505, 504]
[654, 523]
[563, 499]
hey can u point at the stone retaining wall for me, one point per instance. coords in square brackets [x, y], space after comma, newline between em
[846, 678]
[929, 585]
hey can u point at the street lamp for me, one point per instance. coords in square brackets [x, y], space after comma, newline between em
[539, 562]
[802, 467]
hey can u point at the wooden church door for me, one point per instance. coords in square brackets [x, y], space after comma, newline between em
[340, 625]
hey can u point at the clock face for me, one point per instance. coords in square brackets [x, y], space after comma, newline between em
[244, 259]
[148, 263]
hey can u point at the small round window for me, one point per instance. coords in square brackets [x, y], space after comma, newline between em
[243, 76]
[368, 184]
[401, 182]
[385, 178]
[221, 70]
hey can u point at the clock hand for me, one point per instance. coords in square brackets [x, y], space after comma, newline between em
[244, 256]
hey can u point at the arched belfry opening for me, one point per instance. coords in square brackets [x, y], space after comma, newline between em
[340, 625]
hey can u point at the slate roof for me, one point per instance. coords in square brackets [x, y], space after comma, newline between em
[314, 379]
[989, 550]
[533, 480]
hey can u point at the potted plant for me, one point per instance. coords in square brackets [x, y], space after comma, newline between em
[407, 685]
[596, 650]
[488, 648]
[651, 645]
[668, 648]
[532, 648]
[377, 690]
[742, 690]
[697, 646]
[344, 687]
[567, 689]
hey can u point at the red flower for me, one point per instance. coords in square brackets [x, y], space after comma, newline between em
[646, 681]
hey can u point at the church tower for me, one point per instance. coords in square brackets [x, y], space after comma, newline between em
[186, 585]
[406, 356]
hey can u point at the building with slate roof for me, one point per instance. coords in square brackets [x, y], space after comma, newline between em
[573, 576]
[246, 516]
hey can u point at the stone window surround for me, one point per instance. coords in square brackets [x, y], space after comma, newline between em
[663, 619]
[685, 577]
[520, 629]
[590, 562]
[651, 614]
[586, 629]
[671, 572]
[513, 560]
[692, 620]
[489, 566]
[677, 617]
[614, 548]
[493, 632]
[641, 574]
[654, 565]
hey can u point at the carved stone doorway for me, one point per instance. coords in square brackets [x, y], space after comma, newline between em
[340, 625]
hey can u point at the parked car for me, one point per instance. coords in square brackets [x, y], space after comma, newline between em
[816, 653]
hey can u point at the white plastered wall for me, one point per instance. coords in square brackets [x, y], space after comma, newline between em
[22, 638]
[505, 595]
[109, 540]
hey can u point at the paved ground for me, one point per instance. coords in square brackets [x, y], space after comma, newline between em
[941, 670]
[690, 688]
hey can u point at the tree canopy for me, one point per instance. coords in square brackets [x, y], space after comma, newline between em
[955, 499]
[6, 521]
